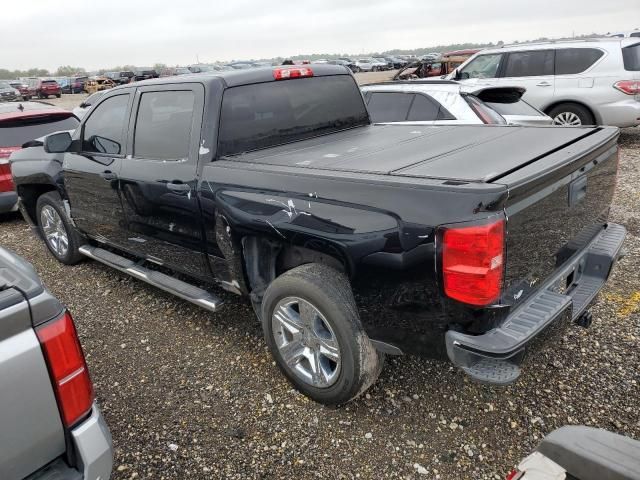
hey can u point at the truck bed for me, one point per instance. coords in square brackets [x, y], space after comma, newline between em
[462, 153]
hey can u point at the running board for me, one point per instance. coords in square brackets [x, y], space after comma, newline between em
[181, 289]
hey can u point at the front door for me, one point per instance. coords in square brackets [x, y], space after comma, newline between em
[91, 173]
[158, 177]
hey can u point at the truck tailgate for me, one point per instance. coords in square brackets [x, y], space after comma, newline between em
[556, 205]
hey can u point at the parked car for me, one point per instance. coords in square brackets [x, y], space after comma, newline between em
[628, 34]
[344, 62]
[174, 71]
[383, 63]
[52, 427]
[71, 85]
[144, 73]
[98, 84]
[585, 82]
[8, 93]
[206, 68]
[446, 102]
[396, 62]
[351, 240]
[47, 87]
[577, 452]
[19, 124]
[81, 110]
[120, 78]
[26, 92]
[431, 66]
[364, 65]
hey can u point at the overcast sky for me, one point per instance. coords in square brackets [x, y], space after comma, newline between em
[104, 33]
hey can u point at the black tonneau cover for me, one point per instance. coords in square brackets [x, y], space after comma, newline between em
[472, 153]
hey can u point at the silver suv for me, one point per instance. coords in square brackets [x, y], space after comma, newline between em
[584, 82]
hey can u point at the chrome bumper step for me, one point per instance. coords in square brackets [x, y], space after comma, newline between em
[184, 290]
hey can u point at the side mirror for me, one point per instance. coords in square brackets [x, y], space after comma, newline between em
[57, 142]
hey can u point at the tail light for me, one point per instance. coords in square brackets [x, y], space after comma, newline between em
[6, 182]
[630, 87]
[286, 73]
[67, 368]
[472, 263]
[514, 475]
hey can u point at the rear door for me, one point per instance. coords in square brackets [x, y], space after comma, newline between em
[534, 70]
[158, 177]
[91, 173]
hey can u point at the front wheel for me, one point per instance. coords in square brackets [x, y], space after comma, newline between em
[311, 325]
[62, 239]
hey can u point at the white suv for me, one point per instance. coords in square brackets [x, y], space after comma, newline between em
[587, 82]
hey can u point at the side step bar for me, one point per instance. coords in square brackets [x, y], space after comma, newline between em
[181, 289]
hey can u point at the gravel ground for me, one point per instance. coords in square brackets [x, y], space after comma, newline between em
[189, 394]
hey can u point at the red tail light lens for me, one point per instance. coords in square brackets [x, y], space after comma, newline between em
[6, 182]
[472, 263]
[514, 475]
[67, 368]
[630, 87]
[286, 73]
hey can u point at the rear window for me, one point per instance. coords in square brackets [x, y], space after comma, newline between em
[389, 107]
[267, 114]
[631, 57]
[16, 132]
[517, 108]
[48, 82]
[576, 60]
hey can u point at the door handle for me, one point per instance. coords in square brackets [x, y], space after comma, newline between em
[178, 187]
[108, 175]
[543, 84]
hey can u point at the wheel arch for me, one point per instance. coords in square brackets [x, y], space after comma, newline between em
[29, 194]
[580, 103]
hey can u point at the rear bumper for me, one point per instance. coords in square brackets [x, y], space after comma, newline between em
[494, 357]
[92, 441]
[623, 113]
[8, 202]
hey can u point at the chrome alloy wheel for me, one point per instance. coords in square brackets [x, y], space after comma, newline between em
[306, 342]
[567, 119]
[54, 230]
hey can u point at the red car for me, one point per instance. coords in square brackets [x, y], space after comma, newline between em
[25, 90]
[45, 88]
[21, 123]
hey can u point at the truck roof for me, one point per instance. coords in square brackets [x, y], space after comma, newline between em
[233, 78]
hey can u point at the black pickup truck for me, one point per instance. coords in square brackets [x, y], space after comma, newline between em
[351, 240]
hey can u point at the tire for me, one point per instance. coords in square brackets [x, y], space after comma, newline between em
[53, 223]
[58, 95]
[335, 324]
[571, 115]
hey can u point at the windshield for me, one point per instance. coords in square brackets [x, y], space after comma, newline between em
[21, 130]
[267, 114]
[4, 85]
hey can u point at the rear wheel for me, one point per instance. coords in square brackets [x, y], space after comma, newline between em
[571, 115]
[312, 328]
[61, 238]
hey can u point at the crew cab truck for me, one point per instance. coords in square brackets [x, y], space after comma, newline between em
[351, 240]
[51, 427]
